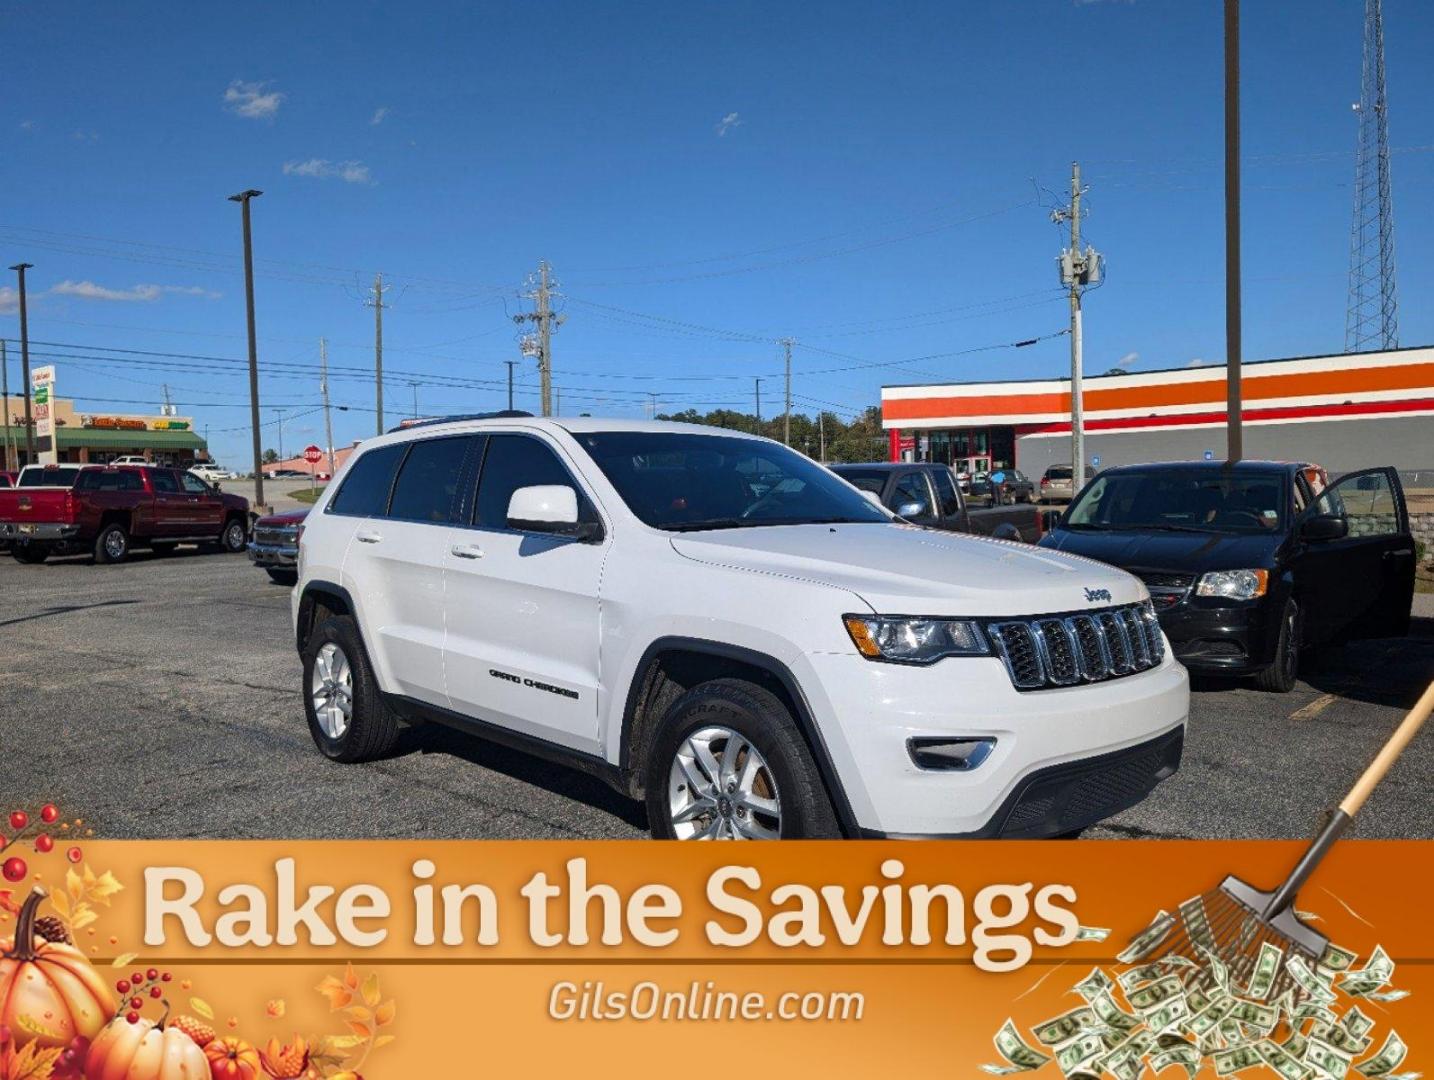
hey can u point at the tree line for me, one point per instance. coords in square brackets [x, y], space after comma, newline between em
[859, 438]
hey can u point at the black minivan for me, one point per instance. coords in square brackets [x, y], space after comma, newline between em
[1247, 563]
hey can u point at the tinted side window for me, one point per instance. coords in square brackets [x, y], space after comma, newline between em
[946, 492]
[365, 488]
[163, 481]
[193, 484]
[515, 461]
[912, 488]
[427, 485]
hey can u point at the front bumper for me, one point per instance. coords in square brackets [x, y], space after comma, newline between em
[25, 531]
[274, 556]
[1062, 758]
[1239, 639]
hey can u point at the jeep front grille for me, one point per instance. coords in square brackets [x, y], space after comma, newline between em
[1090, 646]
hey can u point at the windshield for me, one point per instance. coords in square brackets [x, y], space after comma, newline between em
[48, 477]
[1181, 500]
[686, 482]
[872, 480]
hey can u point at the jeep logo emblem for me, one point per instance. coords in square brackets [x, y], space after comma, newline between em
[1097, 594]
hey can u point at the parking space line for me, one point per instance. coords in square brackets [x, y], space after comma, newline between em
[1314, 708]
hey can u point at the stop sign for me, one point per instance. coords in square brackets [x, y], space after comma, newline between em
[313, 455]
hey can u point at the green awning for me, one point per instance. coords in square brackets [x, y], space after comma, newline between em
[104, 439]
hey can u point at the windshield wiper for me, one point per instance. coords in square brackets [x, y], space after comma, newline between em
[707, 523]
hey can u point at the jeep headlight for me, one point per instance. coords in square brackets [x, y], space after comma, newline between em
[1234, 584]
[914, 640]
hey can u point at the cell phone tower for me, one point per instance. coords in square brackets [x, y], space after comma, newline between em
[1372, 318]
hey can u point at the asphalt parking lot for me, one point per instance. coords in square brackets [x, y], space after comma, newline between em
[160, 698]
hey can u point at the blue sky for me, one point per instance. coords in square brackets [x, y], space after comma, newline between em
[871, 179]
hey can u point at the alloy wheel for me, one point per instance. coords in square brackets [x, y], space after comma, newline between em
[721, 788]
[332, 690]
[115, 544]
[234, 536]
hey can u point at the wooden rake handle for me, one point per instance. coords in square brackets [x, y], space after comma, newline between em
[1386, 757]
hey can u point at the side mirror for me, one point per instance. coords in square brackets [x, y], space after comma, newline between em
[1050, 520]
[912, 509]
[549, 508]
[873, 498]
[1324, 527]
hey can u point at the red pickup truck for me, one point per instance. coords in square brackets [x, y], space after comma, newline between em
[109, 511]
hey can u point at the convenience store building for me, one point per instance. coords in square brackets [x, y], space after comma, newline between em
[97, 437]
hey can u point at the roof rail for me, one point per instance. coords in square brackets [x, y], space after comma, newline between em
[501, 414]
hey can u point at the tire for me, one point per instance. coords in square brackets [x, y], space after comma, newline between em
[280, 576]
[235, 536]
[163, 548]
[30, 554]
[112, 544]
[1280, 676]
[700, 725]
[337, 671]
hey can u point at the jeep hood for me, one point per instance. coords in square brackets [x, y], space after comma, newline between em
[906, 570]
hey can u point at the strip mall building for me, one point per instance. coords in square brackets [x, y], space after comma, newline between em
[1343, 412]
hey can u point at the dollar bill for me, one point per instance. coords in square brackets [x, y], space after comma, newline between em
[1217, 969]
[1335, 958]
[1020, 1056]
[1375, 974]
[1079, 1052]
[1329, 1060]
[1355, 1022]
[1186, 1056]
[1313, 1010]
[1262, 1017]
[1197, 999]
[1208, 1019]
[1308, 981]
[1094, 984]
[1282, 1061]
[1391, 1055]
[1063, 1028]
[1168, 1015]
[1340, 1038]
[1387, 995]
[1092, 933]
[1145, 973]
[1236, 1059]
[1296, 1044]
[1149, 939]
[1146, 998]
[1112, 1015]
[1267, 966]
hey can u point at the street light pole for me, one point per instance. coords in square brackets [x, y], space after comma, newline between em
[243, 199]
[20, 269]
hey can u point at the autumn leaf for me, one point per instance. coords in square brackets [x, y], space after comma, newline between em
[383, 1040]
[84, 915]
[384, 1014]
[363, 1031]
[74, 885]
[333, 1044]
[7, 902]
[359, 1013]
[338, 994]
[351, 979]
[33, 1063]
[202, 1007]
[276, 1008]
[61, 903]
[371, 993]
[103, 888]
[123, 960]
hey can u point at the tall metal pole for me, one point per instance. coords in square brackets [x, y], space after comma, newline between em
[279, 413]
[378, 349]
[324, 389]
[5, 397]
[758, 386]
[787, 416]
[20, 269]
[545, 337]
[1077, 389]
[1234, 437]
[822, 436]
[511, 365]
[243, 199]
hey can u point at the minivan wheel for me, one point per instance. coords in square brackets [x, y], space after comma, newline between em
[112, 544]
[730, 763]
[347, 717]
[1280, 676]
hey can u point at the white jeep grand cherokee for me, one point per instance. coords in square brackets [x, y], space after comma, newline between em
[715, 623]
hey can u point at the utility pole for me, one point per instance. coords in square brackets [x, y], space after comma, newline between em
[652, 405]
[758, 385]
[20, 269]
[376, 302]
[243, 199]
[822, 436]
[324, 389]
[413, 385]
[5, 397]
[787, 415]
[1079, 269]
[279, 413]
[1234, 434]
[511, 365]
[540, 345]
[557, 401]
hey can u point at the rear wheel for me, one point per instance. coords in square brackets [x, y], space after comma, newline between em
[34, 554]
[1280, 676]
[347, 716]
[731, 764]
[112, 544]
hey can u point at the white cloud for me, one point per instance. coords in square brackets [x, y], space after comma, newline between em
[380, 115]
[350, 172]
[81, 135]
[1199, 361]
[1129, 360]
[9, 300]
[252, 100]
[727, 123]
[135, 294]
[27, 125]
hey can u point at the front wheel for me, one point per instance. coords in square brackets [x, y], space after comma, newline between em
[234, 537]
[1279, 677]
[730, 763]
[347, 716]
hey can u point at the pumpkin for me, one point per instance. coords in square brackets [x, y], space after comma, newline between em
[49, 994]
[144, 1050]
[231, 1058]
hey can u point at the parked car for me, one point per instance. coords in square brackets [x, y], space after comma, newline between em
[275, 544]
[111, 510]
[1004, 487]
[48, 476]
[131, 459]
[1249, 564]
[210, 472]
[285, 474]
[714, 623]
[925, 494]
[1056, 484]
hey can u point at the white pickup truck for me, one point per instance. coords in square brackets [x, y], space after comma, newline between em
[716, 624]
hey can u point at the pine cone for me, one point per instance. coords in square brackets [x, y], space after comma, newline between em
[52, 929]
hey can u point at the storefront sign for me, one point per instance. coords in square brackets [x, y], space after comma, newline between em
[42, 405]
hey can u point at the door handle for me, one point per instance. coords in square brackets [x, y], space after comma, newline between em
[364, 536]
[467, 551]
[1399, 553]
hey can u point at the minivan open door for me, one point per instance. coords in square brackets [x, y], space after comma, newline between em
[1357, 562]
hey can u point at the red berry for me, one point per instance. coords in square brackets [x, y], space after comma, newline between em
[49, 813]
[166, 977]
[44, 844]
[152, 974]
[74, 854]
[132, 1017]
[155, 991]
[137, 978]
[14, 869]
[136, 1003]
[19, 819]
[122, 986]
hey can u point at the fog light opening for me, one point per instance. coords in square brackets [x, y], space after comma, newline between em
[950, 755]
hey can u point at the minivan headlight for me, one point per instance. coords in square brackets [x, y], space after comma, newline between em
[914, 640]
[1234, 584]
